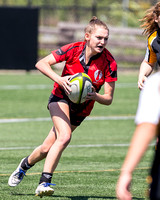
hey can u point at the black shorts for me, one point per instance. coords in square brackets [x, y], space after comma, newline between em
[74, 118]
[155, 174]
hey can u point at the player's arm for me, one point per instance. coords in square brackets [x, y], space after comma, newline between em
[142, 137]
[105, 98]
[44, 66]
[146, 69]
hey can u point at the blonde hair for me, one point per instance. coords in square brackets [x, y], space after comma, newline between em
[148, 20]
[93, 22]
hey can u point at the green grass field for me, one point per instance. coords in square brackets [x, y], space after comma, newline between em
[90, 166]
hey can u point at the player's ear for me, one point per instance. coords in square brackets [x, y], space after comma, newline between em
[87, 36]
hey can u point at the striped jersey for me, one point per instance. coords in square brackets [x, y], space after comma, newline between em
[153, 49]
[100, 68]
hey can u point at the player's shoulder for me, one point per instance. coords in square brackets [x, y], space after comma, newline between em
[107, 53]
[76, 45]
[71, 48]
[75, 48]
[152, 37]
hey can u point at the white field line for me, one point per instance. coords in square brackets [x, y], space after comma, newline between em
[126, 85]
[16, 120]
[72, 146]
[40, 119]
[26, 87]
[49, 86]
[96, 118]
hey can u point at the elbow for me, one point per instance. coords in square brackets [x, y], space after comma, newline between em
[108, 98]
[109, 102]
[104, 99]
[37, 65]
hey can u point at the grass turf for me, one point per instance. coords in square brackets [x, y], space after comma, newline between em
[87, 172]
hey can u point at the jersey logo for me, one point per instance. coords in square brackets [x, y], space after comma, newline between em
[97, 75]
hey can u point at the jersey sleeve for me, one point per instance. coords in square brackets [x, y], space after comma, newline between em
[150, 55]
[111, 72]
[63, 53]
[149, 102]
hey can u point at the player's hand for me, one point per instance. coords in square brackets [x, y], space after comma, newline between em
[65, 84]
[123, 187]
[141, 82]
[92, 95]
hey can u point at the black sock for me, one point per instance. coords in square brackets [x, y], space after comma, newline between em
[45, 177]
[25, 165]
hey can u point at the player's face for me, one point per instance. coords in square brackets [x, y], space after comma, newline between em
[97, 40]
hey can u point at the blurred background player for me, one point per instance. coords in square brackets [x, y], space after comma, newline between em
[151, 25]
[148, 127]
[91, 57]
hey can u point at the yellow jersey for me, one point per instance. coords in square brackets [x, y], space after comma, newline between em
[153, 48]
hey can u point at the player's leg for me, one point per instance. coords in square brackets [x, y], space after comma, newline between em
[61, 119]
[41, 152]
[26, 163]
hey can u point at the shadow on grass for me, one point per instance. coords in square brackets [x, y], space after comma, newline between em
[75, 197]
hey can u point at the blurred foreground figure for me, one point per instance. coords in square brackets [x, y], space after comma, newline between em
[148, 127]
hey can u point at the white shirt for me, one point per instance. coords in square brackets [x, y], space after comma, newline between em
[149, 101]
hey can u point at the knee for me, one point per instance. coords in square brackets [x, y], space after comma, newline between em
[44, 149]
[64, 140]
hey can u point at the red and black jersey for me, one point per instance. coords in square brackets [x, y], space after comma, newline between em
[100, 68]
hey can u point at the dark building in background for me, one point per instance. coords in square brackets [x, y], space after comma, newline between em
[18, 37]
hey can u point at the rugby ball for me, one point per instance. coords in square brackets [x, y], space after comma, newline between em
[81, 85]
